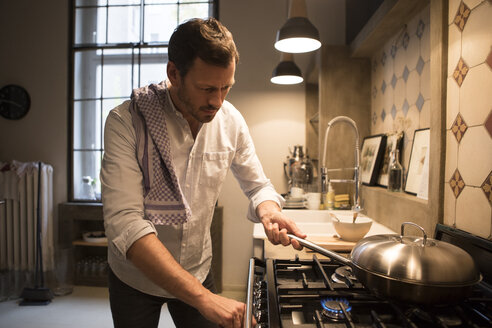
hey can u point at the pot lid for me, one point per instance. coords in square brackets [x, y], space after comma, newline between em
[415, 259]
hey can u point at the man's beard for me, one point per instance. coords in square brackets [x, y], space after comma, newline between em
[191, 109]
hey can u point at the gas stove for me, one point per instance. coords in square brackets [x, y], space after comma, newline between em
[294, 293]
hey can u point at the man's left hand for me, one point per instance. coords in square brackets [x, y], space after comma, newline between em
[277, 225]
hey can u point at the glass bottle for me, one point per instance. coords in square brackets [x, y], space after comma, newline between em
[395, 172]
[88, 189]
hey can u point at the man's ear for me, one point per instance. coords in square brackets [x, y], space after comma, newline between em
[172, 73]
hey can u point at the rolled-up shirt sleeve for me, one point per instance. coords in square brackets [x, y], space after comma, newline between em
[247, 169]
[121, 182]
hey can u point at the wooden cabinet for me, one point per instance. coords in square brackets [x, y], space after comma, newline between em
[90, 259]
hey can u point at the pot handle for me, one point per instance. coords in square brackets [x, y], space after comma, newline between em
[424, 241]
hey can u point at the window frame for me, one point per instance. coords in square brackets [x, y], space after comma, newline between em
[136, 56]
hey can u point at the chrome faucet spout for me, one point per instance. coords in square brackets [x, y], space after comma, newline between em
[324, 171]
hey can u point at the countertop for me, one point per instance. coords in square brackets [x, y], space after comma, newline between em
[320, 230]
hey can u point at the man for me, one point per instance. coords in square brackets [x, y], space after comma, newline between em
[167, 152]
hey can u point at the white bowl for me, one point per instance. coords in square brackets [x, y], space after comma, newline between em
[350, 231]
[95, 237]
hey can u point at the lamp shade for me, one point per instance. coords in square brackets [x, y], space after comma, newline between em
[297, 35]
[286, 72]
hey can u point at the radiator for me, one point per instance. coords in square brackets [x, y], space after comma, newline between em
[18, 223]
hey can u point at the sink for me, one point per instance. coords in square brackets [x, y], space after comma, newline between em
[315, 215]
[316, 228]
[311, 222]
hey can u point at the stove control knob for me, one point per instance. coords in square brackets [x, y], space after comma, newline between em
[261, 317]
[261, 284]
[260, 293]
[260, 304]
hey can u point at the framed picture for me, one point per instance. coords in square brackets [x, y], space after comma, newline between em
[394, 141]
[371, 157]
[418, 159]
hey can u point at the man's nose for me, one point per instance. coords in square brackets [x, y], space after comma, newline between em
[216, 99]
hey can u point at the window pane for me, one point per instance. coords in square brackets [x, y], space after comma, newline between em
[160, 22]
[153, 65]
[87, 75]
[86, 163]
[183, 1]
[117, 73]
[90, 25]
[160, 1]
[123, 2]
[87, 125]
[124, 24]
[193, 10]
[90, 3]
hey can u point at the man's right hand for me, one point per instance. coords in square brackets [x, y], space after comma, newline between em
[225, 312]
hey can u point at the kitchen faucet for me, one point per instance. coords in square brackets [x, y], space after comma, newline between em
[324, 170]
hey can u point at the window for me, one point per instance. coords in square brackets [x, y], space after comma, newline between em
[117, 45]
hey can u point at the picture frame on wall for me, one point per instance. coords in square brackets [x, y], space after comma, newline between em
[394, 141]
[371, 157]
[418, 160]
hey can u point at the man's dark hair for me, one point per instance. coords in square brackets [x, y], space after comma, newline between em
[207, 39]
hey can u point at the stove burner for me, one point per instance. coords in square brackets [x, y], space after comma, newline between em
[332, 307]
[343, 274]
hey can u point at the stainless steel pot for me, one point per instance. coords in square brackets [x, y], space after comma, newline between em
[408, 268]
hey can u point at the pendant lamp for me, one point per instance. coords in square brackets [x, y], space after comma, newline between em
[298, 34]
[286, 72]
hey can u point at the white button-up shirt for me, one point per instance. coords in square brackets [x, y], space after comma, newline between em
[201, 166]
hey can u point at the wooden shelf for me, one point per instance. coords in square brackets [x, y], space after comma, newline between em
[390, 17]
[81, 242]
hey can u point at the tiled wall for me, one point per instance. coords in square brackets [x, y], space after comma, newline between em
[468, 176]
[400, 86]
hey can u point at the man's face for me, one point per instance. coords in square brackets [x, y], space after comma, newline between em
[203, 89]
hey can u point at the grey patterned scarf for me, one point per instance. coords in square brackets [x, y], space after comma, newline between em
[164, 203]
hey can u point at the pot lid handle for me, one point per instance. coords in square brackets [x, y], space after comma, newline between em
[424, 241]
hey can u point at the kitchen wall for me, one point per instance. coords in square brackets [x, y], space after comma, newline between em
[468, 173]
[400, 83]
[275, 114]
[34, 38]
[34, 54]
[401, 102]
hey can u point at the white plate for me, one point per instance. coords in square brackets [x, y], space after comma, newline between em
[292, 200]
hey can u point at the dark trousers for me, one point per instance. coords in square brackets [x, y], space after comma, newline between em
[133, 309]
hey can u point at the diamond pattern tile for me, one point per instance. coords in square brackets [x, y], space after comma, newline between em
[405, 41]
[393, 50]
[460, 72]
[383, 58]
[489, 58]
[420, 102]
[488, 124]
[406, 72]
[487, 187]
[374, 92]
[393, 81]
[420, 65]
[459, 127]
[462, 16]
[405, 108]
[383, 87]
[393, 111]
[456, 183]
[420, 29]
[383, 114]
[374, 118]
